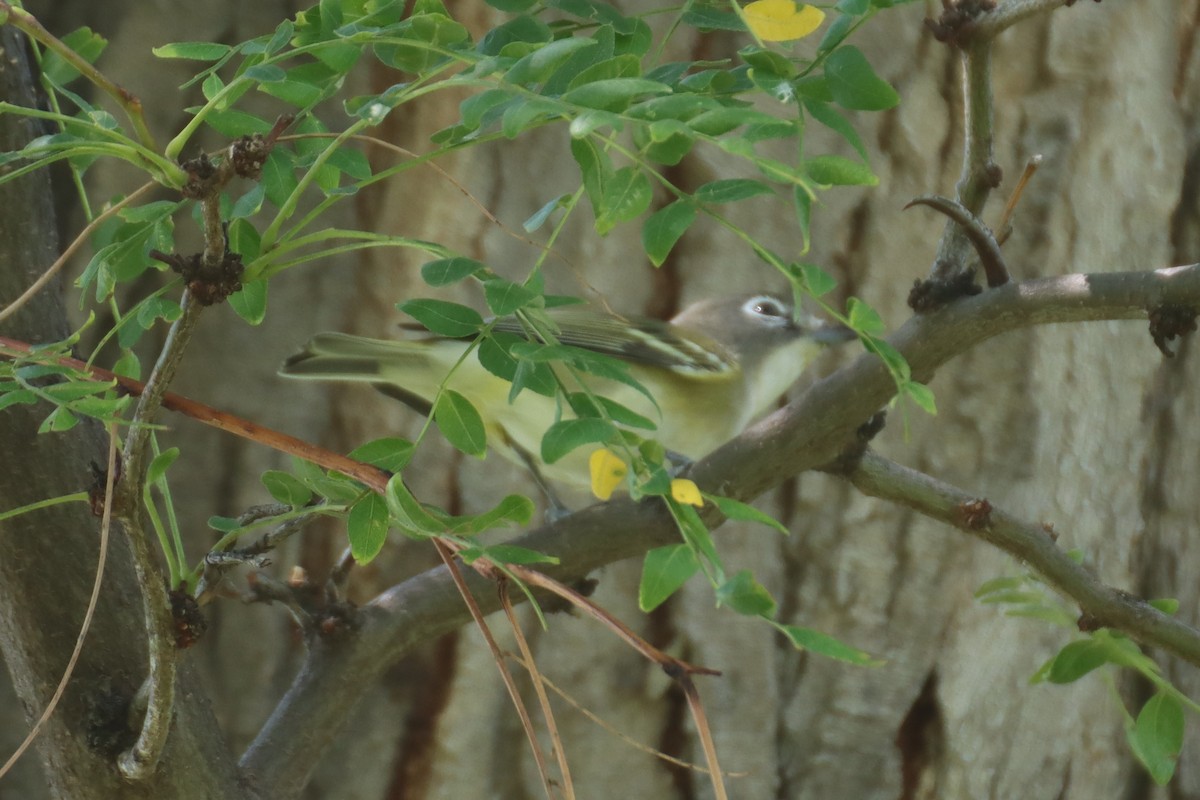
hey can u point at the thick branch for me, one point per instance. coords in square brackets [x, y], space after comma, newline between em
[806, 434]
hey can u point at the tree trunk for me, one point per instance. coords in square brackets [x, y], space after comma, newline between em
[48, 558]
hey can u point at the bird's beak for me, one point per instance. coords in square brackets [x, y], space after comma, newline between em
[832, 333]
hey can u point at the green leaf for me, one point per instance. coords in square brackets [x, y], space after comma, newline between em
[161, 463]
[745, 595]
[538, 65]
[589, 122]
[854, 84]
[539, 217]
[696, 534]
[367, 527]
[839, 171]
[407, 512]
[234, 123]
[614, 94]
[922, 395]
[279, 176]
[664, 570]
[526, 114]
[506, 554]
[624, 197]
[60, 419]
[391, 454]
[1157, 736]
[443, 317]
[863, 318]
[731, 190]
[20, 397]
[735, 509]
[250, 302]
[504, 297]
[265, 73]
[825, 115]
[595, 169]
[826, 645]
[496, 357]
[447, 271]
[192, 51]
[662, 230]
[1167, 605]
[1076, 660]
[565, 435]
[286, 488]
[601, 407]
[223, 524]
[512, 6]
[816, 281]
[514, 508]
[85, 42]
[460, 423]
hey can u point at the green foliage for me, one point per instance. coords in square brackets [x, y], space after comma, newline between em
[1156, 736]
[584, 68]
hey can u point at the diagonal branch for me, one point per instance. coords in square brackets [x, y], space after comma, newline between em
[1102, 605]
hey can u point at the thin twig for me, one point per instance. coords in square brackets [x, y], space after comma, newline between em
[78, 241]
[979, 172]
[536, 676]
[105, 526]
[608, 727]
[1004, 228]
[373, 477]
[705, 733]
[498, 656]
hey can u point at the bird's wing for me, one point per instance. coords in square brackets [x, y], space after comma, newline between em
[637, 340]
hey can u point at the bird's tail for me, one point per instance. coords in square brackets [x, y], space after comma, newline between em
[342, 357]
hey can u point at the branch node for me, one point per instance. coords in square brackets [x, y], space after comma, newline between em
[190, 623]
[1169, 321]
[209, 285]
[929, 295]
[957, 21]
[976, 515]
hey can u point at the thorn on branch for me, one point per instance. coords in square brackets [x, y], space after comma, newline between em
[929, 295]
[1168, 322]
[190, 623]
[957, 20]
[979, 234]
[208, 285]
[975, 515]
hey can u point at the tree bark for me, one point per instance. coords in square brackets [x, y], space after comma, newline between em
[1081, 426]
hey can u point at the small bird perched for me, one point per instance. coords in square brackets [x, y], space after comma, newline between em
[712, 369]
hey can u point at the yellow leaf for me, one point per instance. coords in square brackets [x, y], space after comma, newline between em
[684, 491]
[782, 20]
[607, 472]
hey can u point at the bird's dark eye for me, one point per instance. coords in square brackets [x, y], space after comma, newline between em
[769, 307]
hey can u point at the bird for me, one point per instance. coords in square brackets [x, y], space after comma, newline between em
[712, 369]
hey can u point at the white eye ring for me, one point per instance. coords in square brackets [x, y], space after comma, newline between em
[768, 309]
